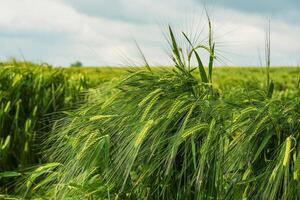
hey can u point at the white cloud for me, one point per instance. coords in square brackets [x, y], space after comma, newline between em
[55, 32]
[249, 31]
[35, 15]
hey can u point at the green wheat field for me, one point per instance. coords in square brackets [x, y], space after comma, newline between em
[179, 132]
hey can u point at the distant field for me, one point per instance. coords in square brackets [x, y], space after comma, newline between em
[281, 75]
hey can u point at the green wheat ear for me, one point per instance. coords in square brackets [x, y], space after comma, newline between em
[161, 135]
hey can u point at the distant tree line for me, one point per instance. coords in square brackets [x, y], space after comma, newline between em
[76, 64]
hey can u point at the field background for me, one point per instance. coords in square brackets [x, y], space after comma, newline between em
[283, 77]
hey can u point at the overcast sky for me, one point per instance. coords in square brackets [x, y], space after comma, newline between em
[102, 32]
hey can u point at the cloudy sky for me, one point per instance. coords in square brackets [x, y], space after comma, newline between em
[103, 32]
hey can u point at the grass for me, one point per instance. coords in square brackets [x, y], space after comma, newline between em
[28, 94]
[232, 89]
[164, 133]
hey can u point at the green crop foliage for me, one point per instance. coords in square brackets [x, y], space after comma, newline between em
[179, 133]
[182, 132]
[28, 93]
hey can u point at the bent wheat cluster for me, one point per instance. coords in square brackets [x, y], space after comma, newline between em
[173, 135]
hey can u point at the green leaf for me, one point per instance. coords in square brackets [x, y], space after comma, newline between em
[201, 69]
[176, 51]
[262, 146]
[211, 62]
[9, 174]
[200, 64]
[270, 89]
